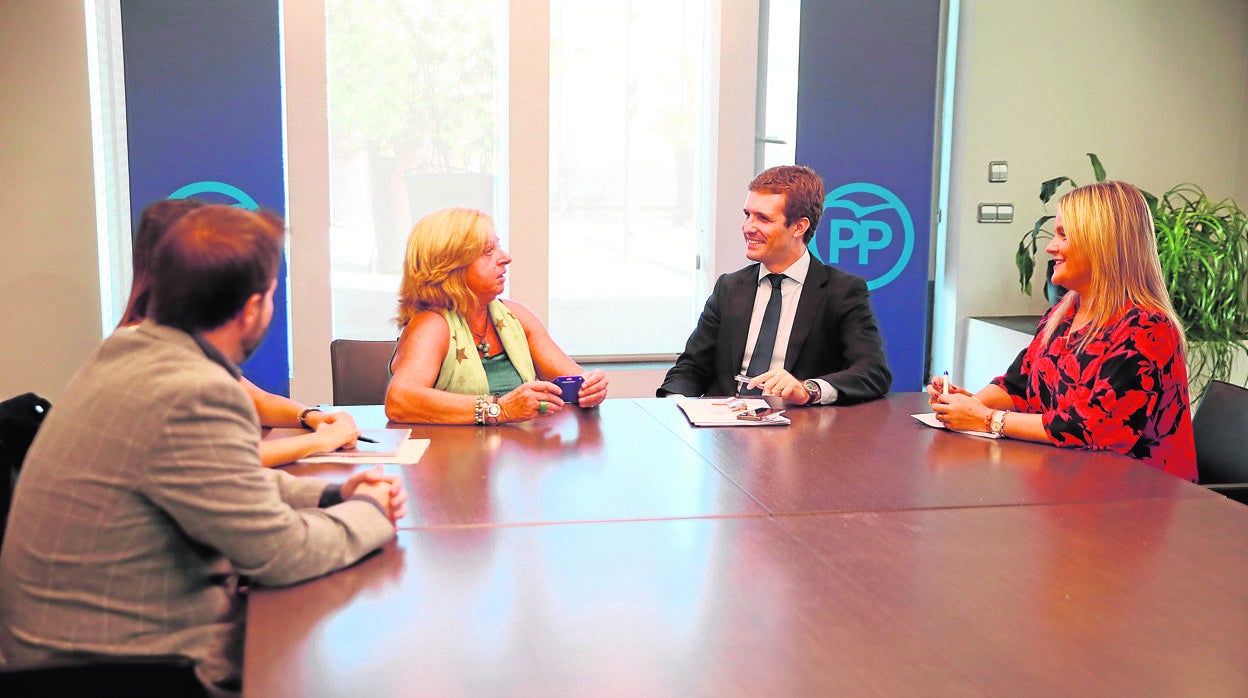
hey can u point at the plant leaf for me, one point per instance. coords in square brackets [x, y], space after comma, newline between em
[1036, 230]
[1049, 187]
[1097, 169]
[1026, 263]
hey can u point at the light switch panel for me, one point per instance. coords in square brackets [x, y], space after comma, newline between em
[996, 213]
[998, 171]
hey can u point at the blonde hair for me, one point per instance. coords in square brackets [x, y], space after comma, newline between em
[440, 248]
[1111, 226]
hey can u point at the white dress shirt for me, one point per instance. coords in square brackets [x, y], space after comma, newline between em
[790, 293]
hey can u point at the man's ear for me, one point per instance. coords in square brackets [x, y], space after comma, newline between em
[252, 309]
[803, 224]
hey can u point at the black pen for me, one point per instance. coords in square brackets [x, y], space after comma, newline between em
[366, 440]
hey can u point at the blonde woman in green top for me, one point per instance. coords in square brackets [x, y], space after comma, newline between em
[464, 356]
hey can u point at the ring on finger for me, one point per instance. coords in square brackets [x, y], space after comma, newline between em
[542, 406]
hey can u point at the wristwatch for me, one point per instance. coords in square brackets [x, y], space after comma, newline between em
[996, 423]
[303, 416]
[816, 394]
[492, 411]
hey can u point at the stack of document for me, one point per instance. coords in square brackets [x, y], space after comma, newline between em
[726, 412]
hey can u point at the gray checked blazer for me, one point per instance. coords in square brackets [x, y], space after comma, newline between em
[141, 500]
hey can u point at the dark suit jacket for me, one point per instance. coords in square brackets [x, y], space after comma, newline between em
[835, 337]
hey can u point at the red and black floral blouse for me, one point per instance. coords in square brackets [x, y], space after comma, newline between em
[1124, 391]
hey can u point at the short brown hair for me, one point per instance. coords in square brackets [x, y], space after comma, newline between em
[803, 193]
[210, 262]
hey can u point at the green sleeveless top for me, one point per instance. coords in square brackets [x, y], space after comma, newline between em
[500, 374]
[463, 371]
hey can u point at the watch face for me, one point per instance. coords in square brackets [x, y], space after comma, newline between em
[493, 409]
[813, 388]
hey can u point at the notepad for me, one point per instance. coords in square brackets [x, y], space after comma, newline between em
[392, 446]
[409, 453]
[929, 418]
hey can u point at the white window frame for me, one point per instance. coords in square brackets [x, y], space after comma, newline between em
[527, 203]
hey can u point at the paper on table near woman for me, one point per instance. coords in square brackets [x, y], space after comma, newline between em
[722, 412]
[929, 418]
[392, 446]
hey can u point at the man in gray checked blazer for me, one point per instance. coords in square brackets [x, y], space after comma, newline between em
[142, 498]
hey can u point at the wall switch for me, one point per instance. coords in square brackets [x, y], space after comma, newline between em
[998, 171]
[996, 213]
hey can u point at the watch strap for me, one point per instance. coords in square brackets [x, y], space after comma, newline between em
[816, 393]
[303, 416]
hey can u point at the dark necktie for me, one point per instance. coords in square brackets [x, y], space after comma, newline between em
[764, 346]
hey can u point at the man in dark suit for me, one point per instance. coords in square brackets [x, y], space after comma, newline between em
[794, 326]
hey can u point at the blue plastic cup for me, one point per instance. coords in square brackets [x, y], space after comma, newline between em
[570, 387]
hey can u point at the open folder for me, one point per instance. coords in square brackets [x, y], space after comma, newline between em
[725, 412]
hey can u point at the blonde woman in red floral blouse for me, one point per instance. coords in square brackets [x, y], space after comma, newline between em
[1106, 369]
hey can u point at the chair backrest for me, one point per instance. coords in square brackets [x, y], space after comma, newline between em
[1221, 430]
[164, 676]
[361, 370]
[20, 418]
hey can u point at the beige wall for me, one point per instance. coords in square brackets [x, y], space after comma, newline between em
[1158, 89]
[1155, 88]
[49, 276]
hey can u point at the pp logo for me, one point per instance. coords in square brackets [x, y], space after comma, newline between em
[868, 226]
[240, 197]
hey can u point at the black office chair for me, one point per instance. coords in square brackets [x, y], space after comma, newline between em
[163, 676]
[1221, 427]
[20, 418]
[90, 677]
[360, 370]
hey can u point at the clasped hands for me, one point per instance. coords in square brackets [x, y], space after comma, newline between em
[958, 408]
[386, 490]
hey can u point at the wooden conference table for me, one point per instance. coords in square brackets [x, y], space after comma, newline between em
[622, 552]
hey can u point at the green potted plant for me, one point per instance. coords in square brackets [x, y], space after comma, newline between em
[1203, 247]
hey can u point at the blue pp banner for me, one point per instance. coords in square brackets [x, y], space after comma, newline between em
[204, 119]
[866, 110]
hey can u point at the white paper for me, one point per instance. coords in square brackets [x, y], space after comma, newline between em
[722, 412]
[393, 446]
[409, 453]
[929, 418]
